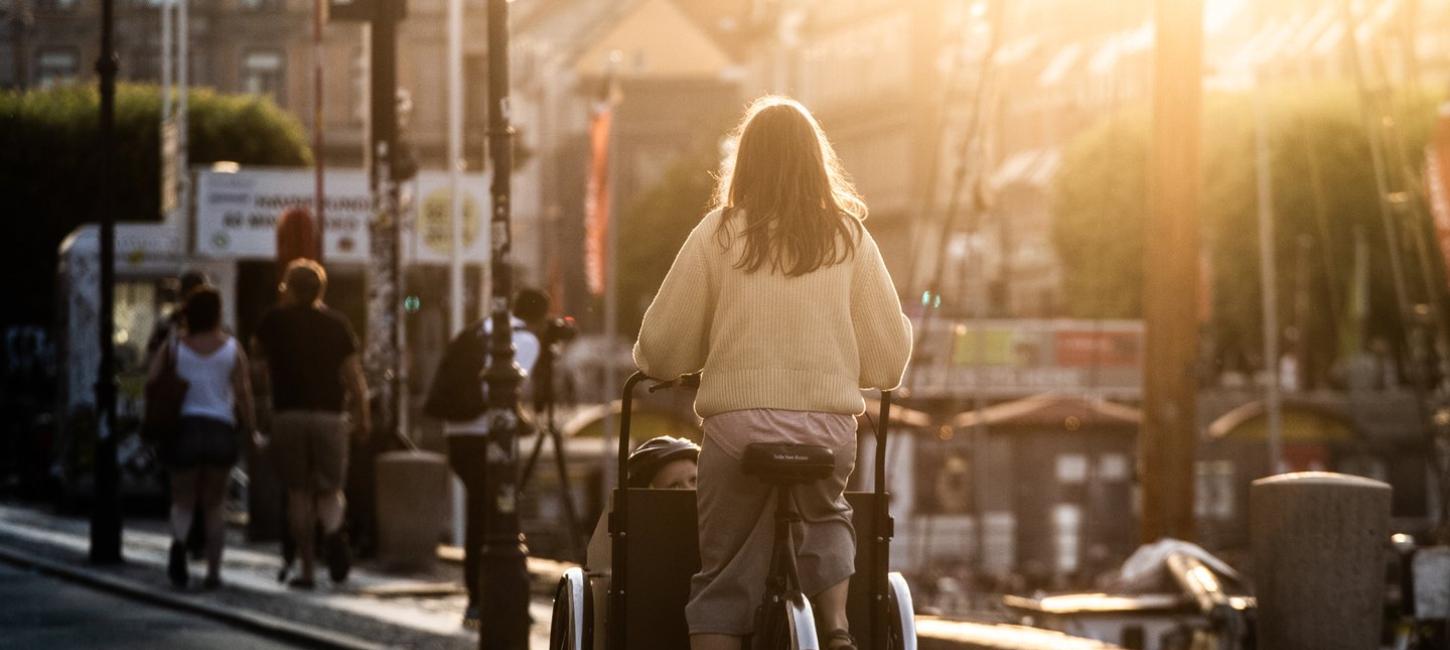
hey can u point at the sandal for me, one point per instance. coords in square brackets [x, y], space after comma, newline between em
[840, 639]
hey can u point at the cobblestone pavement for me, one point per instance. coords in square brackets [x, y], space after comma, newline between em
[420, 610]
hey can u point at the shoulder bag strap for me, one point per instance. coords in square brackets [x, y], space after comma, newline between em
[173, 352]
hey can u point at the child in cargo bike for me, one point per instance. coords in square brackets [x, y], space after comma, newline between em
[781, 298]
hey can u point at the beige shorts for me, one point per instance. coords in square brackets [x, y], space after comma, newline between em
[311, 449]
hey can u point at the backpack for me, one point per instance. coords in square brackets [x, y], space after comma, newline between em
[457, 392]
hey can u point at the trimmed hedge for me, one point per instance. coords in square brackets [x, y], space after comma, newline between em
[50, 166]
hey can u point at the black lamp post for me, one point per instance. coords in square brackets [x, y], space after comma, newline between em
[504, 579]
[105, 499]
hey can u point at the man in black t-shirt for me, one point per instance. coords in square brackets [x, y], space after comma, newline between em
[309, 361]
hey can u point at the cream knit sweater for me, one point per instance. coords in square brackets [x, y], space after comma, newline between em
[764, 340]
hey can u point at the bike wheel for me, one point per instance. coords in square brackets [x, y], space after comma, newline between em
[573, 622]
[901, 631]
[787, 625]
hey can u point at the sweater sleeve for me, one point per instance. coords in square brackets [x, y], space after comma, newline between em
[674, 337]
[883, 332]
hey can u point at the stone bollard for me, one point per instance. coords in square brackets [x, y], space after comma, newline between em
[413, 507]
[1319, 547]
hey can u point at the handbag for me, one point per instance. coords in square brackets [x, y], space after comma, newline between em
[164, 394]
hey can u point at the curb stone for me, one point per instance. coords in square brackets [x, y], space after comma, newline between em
[270, 626]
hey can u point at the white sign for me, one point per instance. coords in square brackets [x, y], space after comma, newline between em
[237, 213]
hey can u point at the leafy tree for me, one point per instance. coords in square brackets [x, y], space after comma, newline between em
[655, 226]
[50, 168]
[1324, 196]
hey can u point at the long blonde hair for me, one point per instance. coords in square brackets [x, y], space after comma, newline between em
[784, 181]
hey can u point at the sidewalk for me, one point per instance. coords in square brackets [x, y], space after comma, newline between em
[373, 608]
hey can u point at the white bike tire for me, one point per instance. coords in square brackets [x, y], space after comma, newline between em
[903, 613]
[569, 629]
[801, 621]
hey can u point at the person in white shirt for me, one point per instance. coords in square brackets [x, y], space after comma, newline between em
[467, 437]
[215, 412]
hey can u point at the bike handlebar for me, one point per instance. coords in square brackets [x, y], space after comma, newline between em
[683, 381]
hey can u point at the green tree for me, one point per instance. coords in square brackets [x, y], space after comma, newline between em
[50, 168]
[1324, 198]
[654, 226]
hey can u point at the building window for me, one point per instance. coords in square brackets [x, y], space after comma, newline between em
[56, 66]
[262, 73]
[1072, 469]
[1066, 529]
[1214, 494]
[1113, 467]
[359, 73]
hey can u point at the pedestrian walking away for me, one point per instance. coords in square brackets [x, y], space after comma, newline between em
[216, 411]
[458, 397]
[781, 300]
[308, 355]
[172, 326]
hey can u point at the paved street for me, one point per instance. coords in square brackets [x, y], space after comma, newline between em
[45, 612]
[419, 610]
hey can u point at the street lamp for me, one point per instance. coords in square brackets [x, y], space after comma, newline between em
[105, 497]
[504, 622]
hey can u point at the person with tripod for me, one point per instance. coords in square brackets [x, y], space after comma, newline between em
[781, 297]
[458, 398]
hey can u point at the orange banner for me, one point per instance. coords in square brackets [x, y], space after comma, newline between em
[1437, 180]
[596, 202]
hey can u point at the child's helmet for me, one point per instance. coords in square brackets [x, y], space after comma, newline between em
[655, 453]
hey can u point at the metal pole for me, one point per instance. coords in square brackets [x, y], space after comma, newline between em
[1170, 287]
[611, 321]
[319, 197]
[168, 61]
[384, 301]
[1268, 280]
[166, 9]
[455, 214]
[22, 18]
[105, 499]
[455, 165]
[504, 623]
[183, 75]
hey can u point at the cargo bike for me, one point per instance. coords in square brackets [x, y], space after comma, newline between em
[655, 551]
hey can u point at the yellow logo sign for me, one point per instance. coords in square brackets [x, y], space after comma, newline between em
[434, 222]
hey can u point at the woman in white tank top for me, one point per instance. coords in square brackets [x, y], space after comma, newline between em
[216, 410]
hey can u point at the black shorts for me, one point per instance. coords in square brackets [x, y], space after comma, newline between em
[203, 442]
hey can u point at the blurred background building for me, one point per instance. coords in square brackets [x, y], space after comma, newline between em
[957, 119]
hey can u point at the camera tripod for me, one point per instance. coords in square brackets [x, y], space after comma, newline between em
[544, 398]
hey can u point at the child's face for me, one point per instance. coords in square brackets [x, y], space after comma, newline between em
[676, 475]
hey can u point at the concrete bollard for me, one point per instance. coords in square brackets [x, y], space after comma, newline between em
[1319, 548]
[413, 507]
